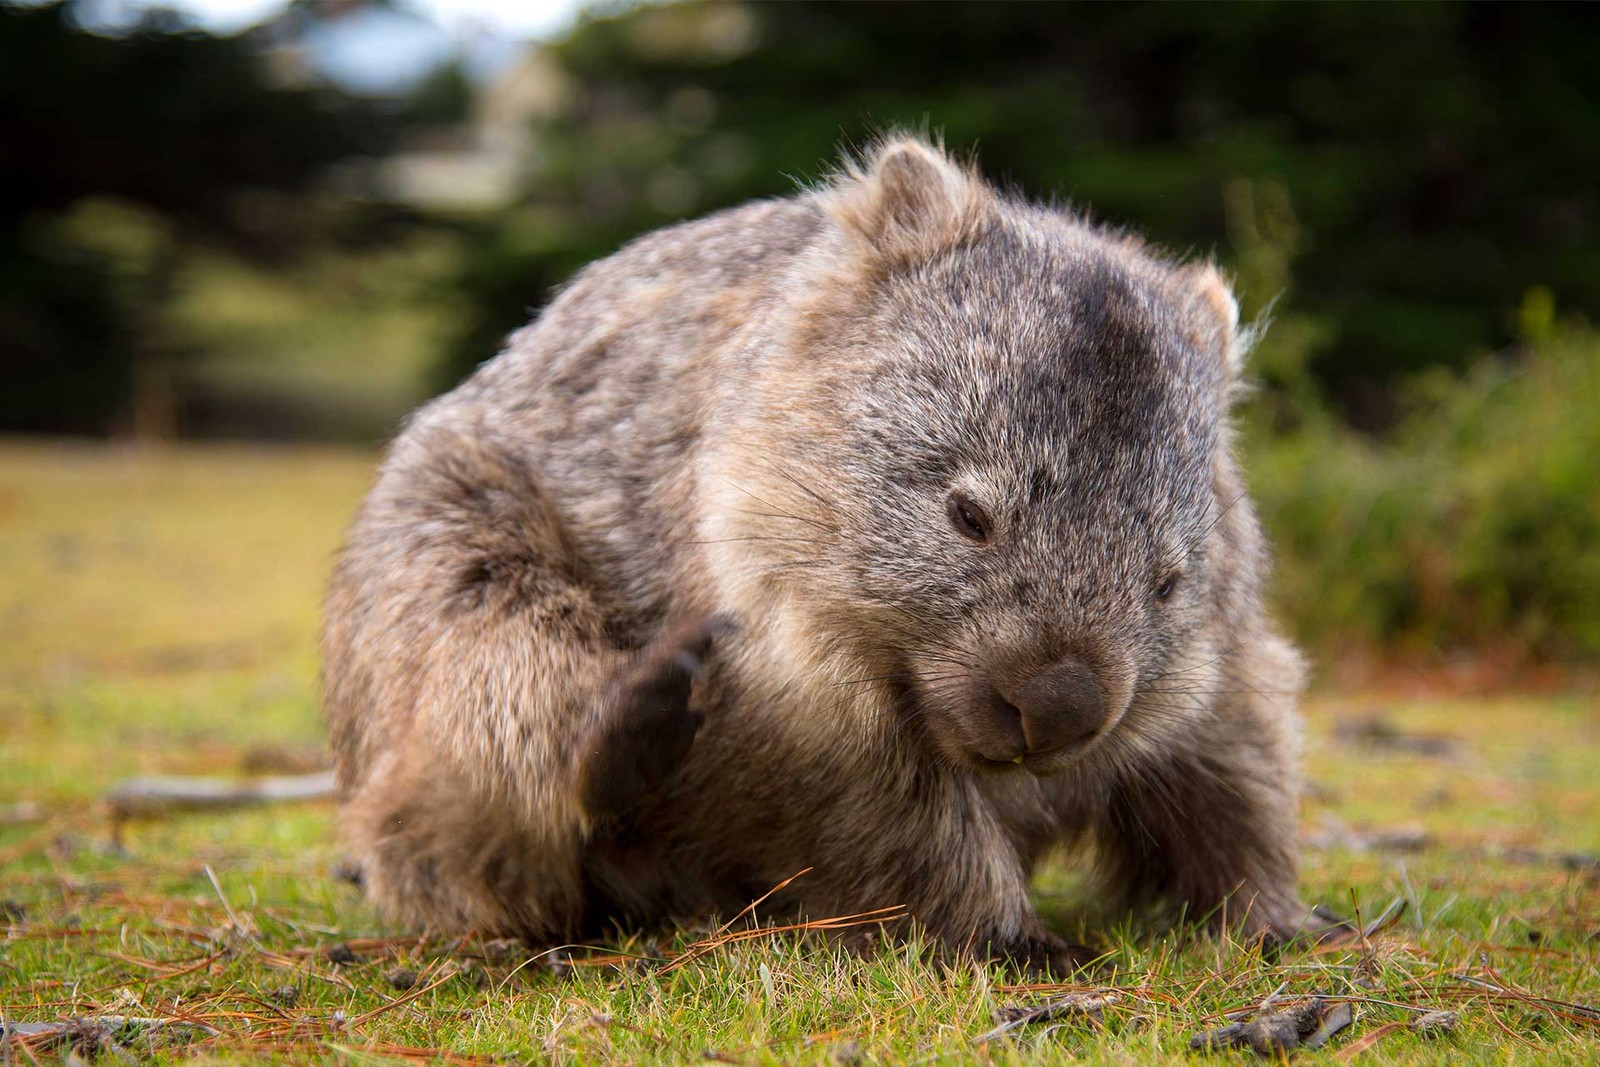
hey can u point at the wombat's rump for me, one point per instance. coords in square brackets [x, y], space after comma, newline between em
[891, 530]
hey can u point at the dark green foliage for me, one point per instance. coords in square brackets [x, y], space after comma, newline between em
[1476, 529]
[178, 122]
[181, 129]
[62, 358]
[443, 98]
[1439, 158]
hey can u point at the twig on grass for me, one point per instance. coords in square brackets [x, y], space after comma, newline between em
[136, 797]
[22, 812]
[1087, 1007]
[91, 1030]
[1335, 1019]
[399, 1052]
[1307, 1024]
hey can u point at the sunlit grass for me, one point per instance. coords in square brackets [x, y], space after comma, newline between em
[160, 612]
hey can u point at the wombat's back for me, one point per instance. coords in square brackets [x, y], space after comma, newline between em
[572, 443]
[606, 393]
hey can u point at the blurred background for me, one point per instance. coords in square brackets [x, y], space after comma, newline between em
[239, 239]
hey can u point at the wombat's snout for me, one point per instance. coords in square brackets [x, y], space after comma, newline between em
[1062, 705]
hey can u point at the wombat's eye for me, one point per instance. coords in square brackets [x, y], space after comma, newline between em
[970, 520]
[1168, 584]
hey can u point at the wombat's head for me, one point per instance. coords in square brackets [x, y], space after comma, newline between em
[999, 471]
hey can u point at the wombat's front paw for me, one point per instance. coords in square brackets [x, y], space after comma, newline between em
[1051, 957]
[646, 725]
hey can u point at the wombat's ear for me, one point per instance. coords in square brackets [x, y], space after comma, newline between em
[1213, 314]
[908, 200]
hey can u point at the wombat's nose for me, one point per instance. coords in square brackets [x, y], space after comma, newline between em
[1059, 706]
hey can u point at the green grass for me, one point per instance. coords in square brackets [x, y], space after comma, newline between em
[159, 611]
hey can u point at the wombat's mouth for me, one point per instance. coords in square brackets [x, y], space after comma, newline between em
[1038, 764]
[1001, 766]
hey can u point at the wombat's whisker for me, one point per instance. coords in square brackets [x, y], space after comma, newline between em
[785, 473]
[759, 537]
[782, 515]
[1197, 537]
[1243, 691]
[1219, 657]
[790, 565]
[900, 676]
[776, 512]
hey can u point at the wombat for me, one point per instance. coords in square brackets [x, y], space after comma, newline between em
[890, 532]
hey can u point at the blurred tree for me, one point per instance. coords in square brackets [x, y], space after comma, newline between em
[443, 98]
[1434, 160]
[120, 152]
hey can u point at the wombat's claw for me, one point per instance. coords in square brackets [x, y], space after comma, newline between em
[1317, 925]
[1325, 924]
[691, 639]
[646, 726]
[1052, 957]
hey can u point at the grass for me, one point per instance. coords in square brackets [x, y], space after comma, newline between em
[159, 612]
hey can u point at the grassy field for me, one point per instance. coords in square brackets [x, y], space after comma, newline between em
[159, 612]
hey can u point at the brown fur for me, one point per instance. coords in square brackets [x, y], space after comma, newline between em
[759, 417]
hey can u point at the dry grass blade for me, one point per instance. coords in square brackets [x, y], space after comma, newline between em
[840, 922]
[448, 973]
[1366, 1041]
[762, 899]
[165, 971]
[1566, 1009]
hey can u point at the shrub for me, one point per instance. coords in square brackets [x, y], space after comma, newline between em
[1474, 525]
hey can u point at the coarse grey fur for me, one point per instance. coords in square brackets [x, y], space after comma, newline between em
[891, 530]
